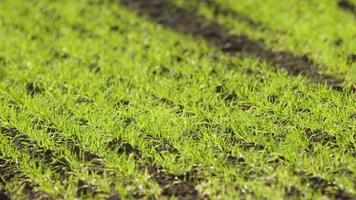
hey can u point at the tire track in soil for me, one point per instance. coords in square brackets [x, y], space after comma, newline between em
[182, 20]
[9, 171]
[348, 6]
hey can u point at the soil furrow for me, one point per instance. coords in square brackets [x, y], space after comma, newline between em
[182, 20]
[49, 157]
[9, 172]
[73, 145]
[347, 6]
[180, 186]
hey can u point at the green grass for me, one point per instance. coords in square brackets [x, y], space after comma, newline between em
[169, 83]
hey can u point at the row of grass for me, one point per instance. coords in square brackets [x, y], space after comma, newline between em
[60, 44]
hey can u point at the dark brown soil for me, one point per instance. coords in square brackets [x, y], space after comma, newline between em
[49, 157]
[277, 160]
[291, 192]
[327, 188]
[181, 186]
[178, 107]
[234, 159]
[347, 6]
[181, 190]
[85, 189]
[9, 171]
[115, 196]
[71, 143]
[351, 59]
[4, 195]
[180, 19]
[33, 89]
[320, 136]
[160, 144]
[121, 146]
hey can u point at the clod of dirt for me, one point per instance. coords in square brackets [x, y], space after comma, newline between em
[220, 88]
[123, 103]
[90, 156]
[338, 42]
[160, 176]
[85, 189]
[33, 89]
[319, 136]
[330, 189]
[121, 146]
[181, 190]
[235, 160]
[292, 192]
[115, 196]
[163, 178]
[175, 185]
[4, 195]
[277, 159]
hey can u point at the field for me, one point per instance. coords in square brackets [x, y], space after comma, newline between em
[177, 99]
